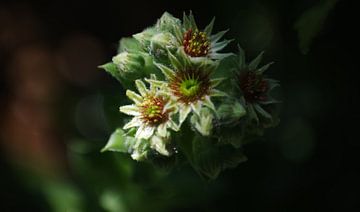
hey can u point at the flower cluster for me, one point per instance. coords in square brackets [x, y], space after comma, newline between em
[189, 98]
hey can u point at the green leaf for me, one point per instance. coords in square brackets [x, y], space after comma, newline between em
[119, 142]
[204, 155]
[210, 159]
[309, 24]
[112, 69]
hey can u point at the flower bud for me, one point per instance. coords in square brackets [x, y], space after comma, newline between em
[167, 22]
[145, 36]
[130, 65]
[162, 42]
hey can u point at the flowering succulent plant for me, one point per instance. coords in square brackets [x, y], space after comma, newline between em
[186, 112]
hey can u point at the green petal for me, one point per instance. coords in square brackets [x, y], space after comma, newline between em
[252, 114]
[207, 64]
[242, 62]
[217, 36]
[163, 91]
[184, 112]
[207, 102]
[155, 83]
[136, 155]
[135, 122]
[205, 125]
[270, 100]
[215, 92]
[220, 56]
[169, 73]
[140, 150]
[272, 83]
[254, 63]
[175, 62]
[161, 129]
[220, 45]
[140, 85]
[186, 21]
[192, 21]
[264, 68]
[131, 110]
[152, 86]
[153, 76]
[172, 125]
[203, 122]
[196, 107]
[144, 132]
[134, 96]
[171, 105]
[159, 145]
[179, 34]
[209, 27]
[185, 59]
[262, 112]
[215, 82]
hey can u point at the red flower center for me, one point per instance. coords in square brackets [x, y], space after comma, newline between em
[253, 86]
[196, 44]
[152, 110]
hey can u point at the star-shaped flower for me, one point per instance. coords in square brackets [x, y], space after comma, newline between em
[200, 44]
[190, 85]
[152, 111]
[254, 86]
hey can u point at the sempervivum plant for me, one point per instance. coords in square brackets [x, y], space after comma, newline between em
[189, 85]
[201, 43]
[255, 89]
[188, 103]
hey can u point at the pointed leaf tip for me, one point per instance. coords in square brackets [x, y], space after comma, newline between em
[254, 63]
[118, 142]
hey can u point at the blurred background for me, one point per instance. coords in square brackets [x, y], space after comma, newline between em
[58, 109]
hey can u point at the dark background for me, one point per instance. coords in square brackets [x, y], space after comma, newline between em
[51, 91]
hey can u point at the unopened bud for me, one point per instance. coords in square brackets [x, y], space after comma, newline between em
[130, 65]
